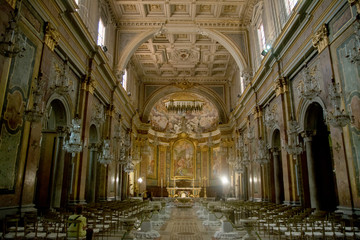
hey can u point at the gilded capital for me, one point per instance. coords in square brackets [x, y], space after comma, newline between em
[356, 3]
[280, 86]
[257, 112]
[320, 39]
[52, 36]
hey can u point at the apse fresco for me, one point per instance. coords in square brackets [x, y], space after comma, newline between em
[183, 159]
[205, 120]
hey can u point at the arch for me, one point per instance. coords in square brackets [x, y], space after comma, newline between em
[93, 134]
[61, 102]
[162, 92]
[322, 183]
[302, 111]
[216, 35]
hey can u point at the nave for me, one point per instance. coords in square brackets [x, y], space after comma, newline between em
[185, 219]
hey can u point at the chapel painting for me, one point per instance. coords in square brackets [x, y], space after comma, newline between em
[183, 159]
[151, 164]
[215, 163]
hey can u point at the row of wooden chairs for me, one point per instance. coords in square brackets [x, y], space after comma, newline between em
[294, 222]
[103, 218]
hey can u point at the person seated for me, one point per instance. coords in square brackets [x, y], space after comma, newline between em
[73, 230]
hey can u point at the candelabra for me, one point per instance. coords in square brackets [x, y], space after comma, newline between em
[129, 167]
[294, 147]
[337, 118]
[37, 111]
[105, 157]
[12, 43]
[309, 88]
[245, 156]
[262, 156]
[74, 144]
[181, 106]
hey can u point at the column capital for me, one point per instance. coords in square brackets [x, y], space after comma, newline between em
[275, 150]
[307, 135]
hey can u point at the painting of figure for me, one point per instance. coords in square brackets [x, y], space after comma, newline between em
[151, 163]
[183, 159]
[215, 163]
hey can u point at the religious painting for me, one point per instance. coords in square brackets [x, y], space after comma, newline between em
[183, 159]
[215, 166]
[151, 166]
[189, 122]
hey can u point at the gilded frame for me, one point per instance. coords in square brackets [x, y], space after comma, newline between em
[181, 162]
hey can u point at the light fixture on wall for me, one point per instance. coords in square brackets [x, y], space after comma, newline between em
[262, 153]
[266, 50]
[36, 113]
[183, 106]
[337, 118]
[12, 42]
[74, 144]
[105, 157]
[293, 147]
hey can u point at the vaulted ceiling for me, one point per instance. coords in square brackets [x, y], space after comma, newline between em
[183, 47]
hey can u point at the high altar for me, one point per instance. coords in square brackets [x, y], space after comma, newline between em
[184, 191]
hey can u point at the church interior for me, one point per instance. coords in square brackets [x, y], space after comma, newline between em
[180, 119]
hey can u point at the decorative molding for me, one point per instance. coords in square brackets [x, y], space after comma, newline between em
[52, 36]
[356, 3]
[257, 112]
[13, 2]
[320, 39]
[184, 84]
[280, 86]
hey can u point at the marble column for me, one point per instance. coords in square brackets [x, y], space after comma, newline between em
[314, 199]
[277, 176]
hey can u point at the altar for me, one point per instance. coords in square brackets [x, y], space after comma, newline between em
[184, 192]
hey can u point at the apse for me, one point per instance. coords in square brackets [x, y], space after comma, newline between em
[184, 112]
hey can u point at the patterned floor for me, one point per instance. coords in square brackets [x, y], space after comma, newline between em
[184, 225]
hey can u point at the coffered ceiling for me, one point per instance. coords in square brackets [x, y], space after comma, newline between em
[194, 55]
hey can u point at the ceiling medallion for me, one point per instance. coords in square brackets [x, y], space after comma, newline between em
[184, 84]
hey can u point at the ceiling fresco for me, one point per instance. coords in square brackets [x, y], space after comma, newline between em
[201, 121]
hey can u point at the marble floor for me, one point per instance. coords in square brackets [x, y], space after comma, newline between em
[184, 225]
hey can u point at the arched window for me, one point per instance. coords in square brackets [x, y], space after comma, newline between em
[101, 33]
[77, 2]
[124, 80]
[261, 36]
[289, 5]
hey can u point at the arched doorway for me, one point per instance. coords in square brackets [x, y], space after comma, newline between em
[53, 173]
[322, 186]
[92, 165]
[277, 164]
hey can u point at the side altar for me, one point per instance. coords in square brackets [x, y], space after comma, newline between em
[184, 192]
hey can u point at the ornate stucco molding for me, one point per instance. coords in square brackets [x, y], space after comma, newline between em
[356, 3]
[320, 38]
[52, 36]
[281, 86]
